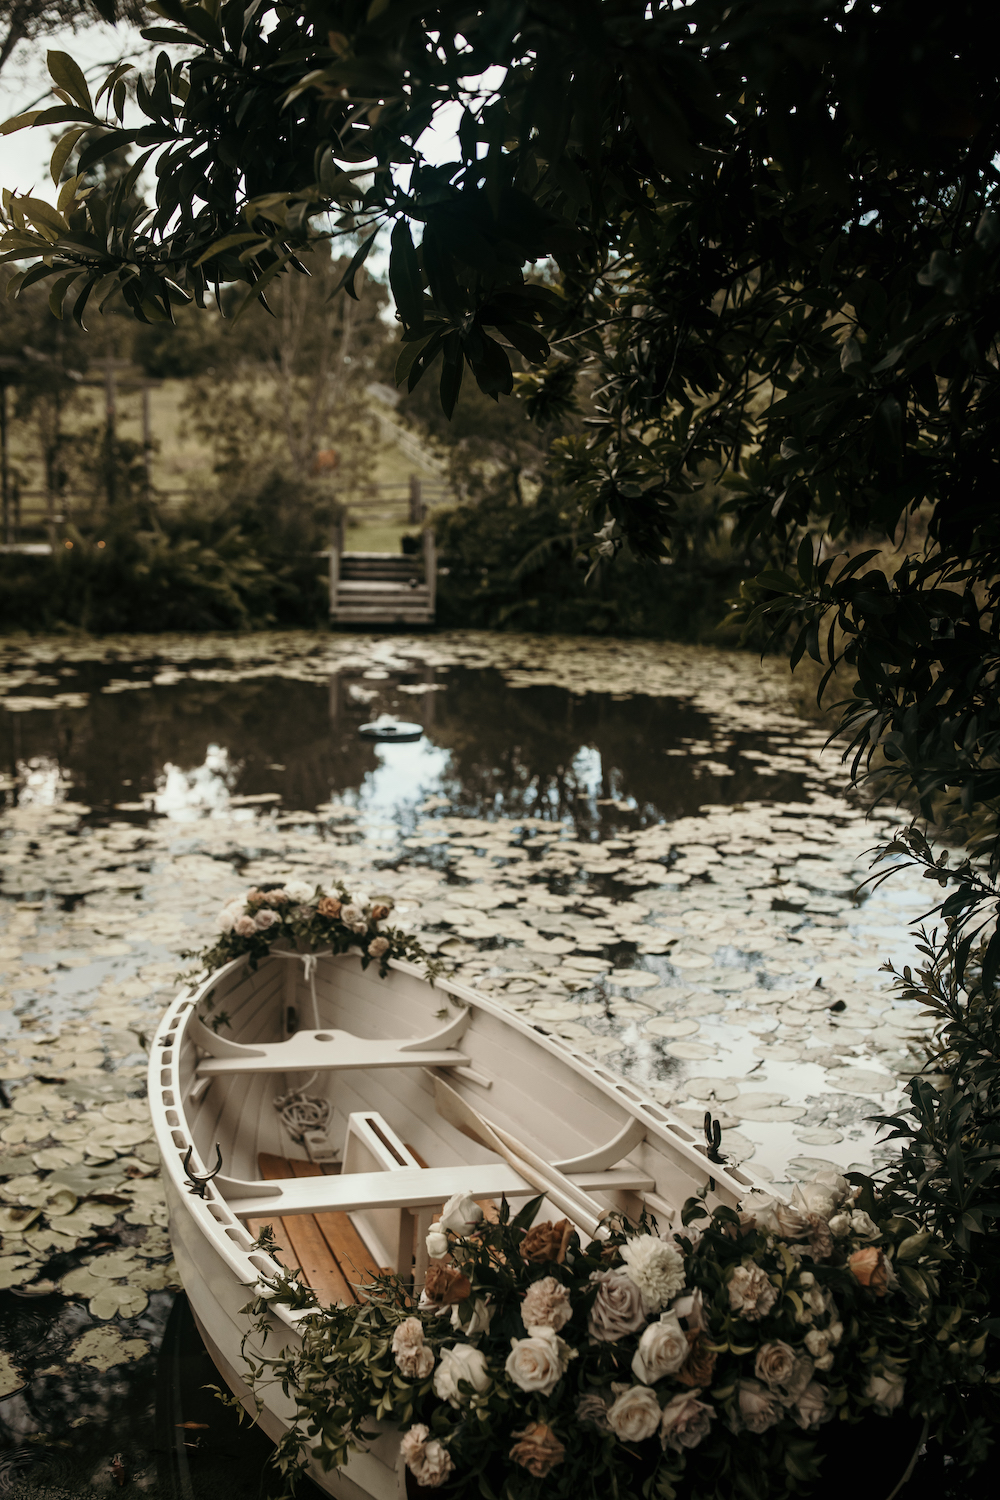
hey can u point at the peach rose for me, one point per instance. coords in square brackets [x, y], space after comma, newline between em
[869, 1268]
[547, 1242]
[537, 1449]
[379, 913]
[329, 906]
[446, 1284]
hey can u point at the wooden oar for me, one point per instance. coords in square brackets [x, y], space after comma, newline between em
[557, 1187]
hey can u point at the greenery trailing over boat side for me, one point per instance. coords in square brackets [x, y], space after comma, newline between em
[737, 1353]
[310, 919]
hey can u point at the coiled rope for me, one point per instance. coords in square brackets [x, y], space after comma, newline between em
[301, 1113]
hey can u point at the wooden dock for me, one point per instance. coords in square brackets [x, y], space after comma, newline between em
[382, 588]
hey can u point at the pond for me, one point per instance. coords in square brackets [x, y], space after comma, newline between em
[640, 846]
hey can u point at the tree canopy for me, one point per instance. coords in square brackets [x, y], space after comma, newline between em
[774, 235]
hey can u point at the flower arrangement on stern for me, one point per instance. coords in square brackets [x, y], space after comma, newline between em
[704, 1361]
[310, 919]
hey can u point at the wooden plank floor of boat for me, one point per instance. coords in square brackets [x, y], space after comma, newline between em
[333, 1257]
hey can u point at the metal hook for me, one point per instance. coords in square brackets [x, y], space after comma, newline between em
[199, 1184]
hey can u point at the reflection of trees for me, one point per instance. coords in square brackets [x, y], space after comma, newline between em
[130, 736]
[512, 749]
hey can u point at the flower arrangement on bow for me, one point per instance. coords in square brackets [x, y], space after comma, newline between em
[640, 1363]
[309, 918]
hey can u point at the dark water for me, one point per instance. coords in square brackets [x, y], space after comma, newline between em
[490, 748]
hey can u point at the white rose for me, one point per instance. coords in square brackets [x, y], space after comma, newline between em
[478, 1320]
[460, 1214]
[840, 1225]
[538, 1362]
[353, 918]
[299, 890]
[816, 1198]
[227, 917]
[462, 1363]
[863, 1225]
[635, 1414]
[662, 1350]
[655, 1267]
[437, 1243]
[886, 1391]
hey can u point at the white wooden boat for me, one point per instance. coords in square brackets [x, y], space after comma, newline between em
[363, 1196]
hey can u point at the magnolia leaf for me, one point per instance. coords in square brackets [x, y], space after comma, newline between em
[69, 76]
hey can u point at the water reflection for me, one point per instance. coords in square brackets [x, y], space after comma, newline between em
[190, 748]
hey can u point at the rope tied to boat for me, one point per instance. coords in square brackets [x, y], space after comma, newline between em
[305, 1117]
[302, 1114]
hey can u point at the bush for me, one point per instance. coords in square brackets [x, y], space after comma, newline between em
[509, 564]
[246, 563]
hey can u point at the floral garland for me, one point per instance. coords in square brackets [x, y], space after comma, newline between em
[710, 1359]
[309, 918]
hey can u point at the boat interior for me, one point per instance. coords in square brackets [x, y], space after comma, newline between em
[346, 1109]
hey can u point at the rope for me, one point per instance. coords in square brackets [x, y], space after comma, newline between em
[302, 1115]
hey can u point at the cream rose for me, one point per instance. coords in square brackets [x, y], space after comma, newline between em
[662, 1350]
[426, 1458]
[750, 1292]
[299, 890]
[685, 1421]
[635, 1414]
[378, 947]
[478, 1321]
[244, 926]
[812, 1407]
[546, 1304]
[462, 1363]
[353, 917]
[886, 1391]
[617, 1309]
[538, 1362]
[656, 1268]
[460, 1214]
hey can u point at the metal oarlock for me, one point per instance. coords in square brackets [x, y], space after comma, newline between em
[713, 1136]
[199, 1184]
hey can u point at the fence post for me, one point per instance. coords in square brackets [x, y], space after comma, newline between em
[430, 569]
[416, 501]
[336, 544]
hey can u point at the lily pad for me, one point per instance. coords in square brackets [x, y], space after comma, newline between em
[104, 1349]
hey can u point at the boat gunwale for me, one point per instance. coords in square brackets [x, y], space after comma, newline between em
[211, 1211]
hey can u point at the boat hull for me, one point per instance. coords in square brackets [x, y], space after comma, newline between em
[561, 1102]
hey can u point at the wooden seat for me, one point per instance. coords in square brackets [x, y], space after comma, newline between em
[332, 1256]
[328, 1051]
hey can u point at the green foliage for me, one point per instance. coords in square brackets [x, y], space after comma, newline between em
[515, 564]
[245, 564]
